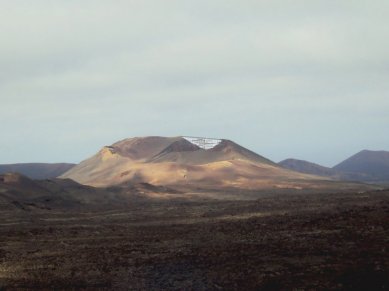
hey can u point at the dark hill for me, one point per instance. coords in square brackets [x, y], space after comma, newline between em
[20, 192]
[307, 167]
[37, 170]
[372, 165]
[27, 194]
[365, 166]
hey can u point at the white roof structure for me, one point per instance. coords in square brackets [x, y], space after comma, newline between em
[203, 142]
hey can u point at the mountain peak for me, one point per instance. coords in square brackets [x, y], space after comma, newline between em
[374, 163]
[175, 161]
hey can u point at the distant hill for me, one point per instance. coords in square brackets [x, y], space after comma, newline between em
[37, 170]
[188, 161]
[307, 167]
[369, 165]
[365, 166]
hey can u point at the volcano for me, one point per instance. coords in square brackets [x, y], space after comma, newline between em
[367, 165]
[189, 161]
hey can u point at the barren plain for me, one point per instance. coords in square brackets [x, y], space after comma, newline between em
[287, 241]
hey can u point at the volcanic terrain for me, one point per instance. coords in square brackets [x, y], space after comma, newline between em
[188, 213]
[175, 161]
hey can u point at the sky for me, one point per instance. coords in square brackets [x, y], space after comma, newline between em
[307, 79]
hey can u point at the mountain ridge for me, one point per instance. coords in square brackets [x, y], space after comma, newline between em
[307, 167]
[365, 166]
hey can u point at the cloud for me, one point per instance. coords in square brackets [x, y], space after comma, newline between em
[301, 73]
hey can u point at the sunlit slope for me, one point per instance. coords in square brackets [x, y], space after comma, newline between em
[176, 161]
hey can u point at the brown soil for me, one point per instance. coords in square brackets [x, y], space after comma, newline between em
[277, 242]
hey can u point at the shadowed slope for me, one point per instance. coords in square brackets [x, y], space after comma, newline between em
[370, 165]
[37, 170]
[365, 166]
[184, 152]
[18, 191]
[307, 167]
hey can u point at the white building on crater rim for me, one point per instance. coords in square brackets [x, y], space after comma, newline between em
[203, 142]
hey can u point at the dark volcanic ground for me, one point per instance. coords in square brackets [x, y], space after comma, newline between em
[278, 242]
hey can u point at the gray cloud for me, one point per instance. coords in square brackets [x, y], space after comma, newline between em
[307, 79]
